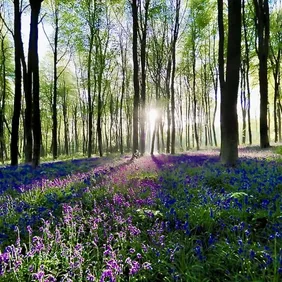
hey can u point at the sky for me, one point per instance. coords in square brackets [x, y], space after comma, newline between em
[43, 44]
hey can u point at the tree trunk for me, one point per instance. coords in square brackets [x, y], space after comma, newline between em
[143, 78]
[33, 73]
[54, 104]
[75, 130]
[123, 60]
[194, 97]
[243, 102]
[90, 107]
[135, 76]
[173, 59]
[99, 127]
[65, 117]
[168, 76]
[3, 89]
[18, 85]
[229, 119]
[247, 59]
[262, 27]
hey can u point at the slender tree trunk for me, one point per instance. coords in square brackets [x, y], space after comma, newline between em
[173, 59]
[214, 73]
[76, 138]
[54, 104]
[194, 97]
[247, 58]
[90, 103]
[99, 127]
[243, 102]
[143, 78]
[65, 117]
[59, 136]
[3, 98]
[18, 85]
[279, 121]
[123, 58]
[168, 77]
[135, 76]
[275, 62]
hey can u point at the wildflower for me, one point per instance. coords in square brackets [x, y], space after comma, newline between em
[135, 266]
[90, 277]
[5, 257]
[107, 274]
[252, 254]
[51, 278]
[147, 266]
[198, 252]
[211, 240]
[128, 260]
[29, 230]
[38, 276]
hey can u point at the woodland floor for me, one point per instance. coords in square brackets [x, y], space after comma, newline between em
[157, 218]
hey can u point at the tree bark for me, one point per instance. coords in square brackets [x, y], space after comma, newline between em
[89, 84]
[168, 77]
[54, 104]
[262, 28]
[18, 85]
[247, 59]
[33, 74]
[135, 76]
[143, 46]
[173, 59]
[229, 119]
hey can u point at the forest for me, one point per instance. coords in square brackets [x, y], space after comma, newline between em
[115, 77]
[140, 140]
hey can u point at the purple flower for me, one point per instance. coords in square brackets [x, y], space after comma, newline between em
[38, 276]
[144, 248]
[51, 278]
[90, 277]
[107, 274]
[29, 230]
[4, 257]
[147, 266]
[134, 268]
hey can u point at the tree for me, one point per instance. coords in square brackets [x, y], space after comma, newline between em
[275, 60]
[173, 59]
[18, 84]
[262, 28]
[135, 75]
[229, 86]
[33, 78]
[59, 52]
[5, 77]
[247, 69]
[143, 45]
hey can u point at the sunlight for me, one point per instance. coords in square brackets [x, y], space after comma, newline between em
[152, 116]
